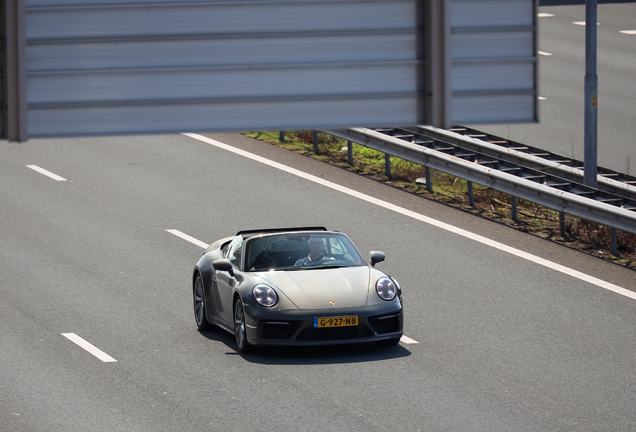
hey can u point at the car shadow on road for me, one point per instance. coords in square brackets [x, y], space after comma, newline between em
[307, 355]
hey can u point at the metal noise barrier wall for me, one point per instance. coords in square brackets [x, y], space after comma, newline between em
[160, 66]
[602, 213]
[172, 66]
[493, 61]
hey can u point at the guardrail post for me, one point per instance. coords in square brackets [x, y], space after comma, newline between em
[562, 224]
[387, 165]
[614, 247]
[429, 183]
[316, 149]
[281, 136]
[513, 202]
[350, 153]
[471, 196]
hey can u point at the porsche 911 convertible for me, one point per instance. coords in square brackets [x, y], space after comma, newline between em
[295, 286]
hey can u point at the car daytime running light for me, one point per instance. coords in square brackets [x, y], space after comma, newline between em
[385, 289]
[265, 295]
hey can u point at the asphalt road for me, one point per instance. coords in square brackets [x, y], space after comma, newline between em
[503, 343]
[561, 74]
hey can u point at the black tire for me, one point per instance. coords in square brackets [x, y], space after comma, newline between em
[198, 295]
[240, 330]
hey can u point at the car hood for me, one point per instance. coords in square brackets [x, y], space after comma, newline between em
[345, 287]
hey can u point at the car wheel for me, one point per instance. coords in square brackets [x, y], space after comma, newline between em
[240, 331]
[199, 305]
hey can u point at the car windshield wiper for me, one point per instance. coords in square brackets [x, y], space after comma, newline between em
[293, 268]
[324, 267]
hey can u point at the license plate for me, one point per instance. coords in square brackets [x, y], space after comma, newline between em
[336, 322]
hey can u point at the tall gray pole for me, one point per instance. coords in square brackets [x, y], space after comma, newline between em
[14, 63]
[591, 96]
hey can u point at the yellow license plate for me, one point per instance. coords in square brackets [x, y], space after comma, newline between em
[336, 322]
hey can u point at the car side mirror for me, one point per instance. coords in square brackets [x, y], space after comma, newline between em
[223, 265]
[376, 257]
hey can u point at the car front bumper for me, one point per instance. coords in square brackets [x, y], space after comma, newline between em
[296, 327]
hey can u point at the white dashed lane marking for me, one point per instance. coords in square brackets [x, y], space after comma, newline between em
[408, 340]
[46, 173]
[543, 53]
[89, 347]
[628, 32]
[188, 238]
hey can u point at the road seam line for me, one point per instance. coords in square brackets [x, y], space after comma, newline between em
[417, 216]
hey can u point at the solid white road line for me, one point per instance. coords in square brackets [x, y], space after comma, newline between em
[46, 173]
[408, 340]
[89, 347]
[188, 238]
[439, 224]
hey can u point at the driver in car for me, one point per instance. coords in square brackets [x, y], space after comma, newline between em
[317, 251]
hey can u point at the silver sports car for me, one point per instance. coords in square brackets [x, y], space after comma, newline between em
[295, 286]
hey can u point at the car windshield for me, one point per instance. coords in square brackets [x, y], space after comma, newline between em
[301, 251]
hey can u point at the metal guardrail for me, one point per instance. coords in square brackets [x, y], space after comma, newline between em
[529, 184]
[570, 169]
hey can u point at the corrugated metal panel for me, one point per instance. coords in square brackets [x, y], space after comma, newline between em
[209, 65]
[159, 66]
[258, 115]
[493, 61]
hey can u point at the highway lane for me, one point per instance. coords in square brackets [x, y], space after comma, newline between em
[561, 121]
[504, 344]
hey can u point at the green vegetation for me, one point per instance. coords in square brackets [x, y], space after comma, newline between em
[450, 190]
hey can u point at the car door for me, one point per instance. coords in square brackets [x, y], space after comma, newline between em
[225, 282]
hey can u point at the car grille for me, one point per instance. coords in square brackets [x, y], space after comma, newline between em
[377, 325]
[385, 324]
[335, 333]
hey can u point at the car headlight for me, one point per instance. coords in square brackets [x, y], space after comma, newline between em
[385, 288]
[265, 295]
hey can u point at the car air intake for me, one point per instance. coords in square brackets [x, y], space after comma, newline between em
[385, 323]
[279, 329]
